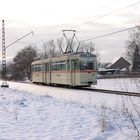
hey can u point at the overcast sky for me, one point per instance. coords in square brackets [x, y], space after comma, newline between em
[90, 18]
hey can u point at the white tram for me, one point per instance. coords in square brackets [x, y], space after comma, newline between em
[69, 69]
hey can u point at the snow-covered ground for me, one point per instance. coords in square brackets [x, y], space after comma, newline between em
[122, 84]
[35, 112]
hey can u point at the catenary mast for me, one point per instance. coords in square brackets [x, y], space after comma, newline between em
[4, 83]
[4, 77]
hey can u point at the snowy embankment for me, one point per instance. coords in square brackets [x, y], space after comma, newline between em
[121, 84]
[32, 112]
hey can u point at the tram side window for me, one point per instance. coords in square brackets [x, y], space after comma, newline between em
[86, 66]
[68, 64]
[63, 65]
[37, 68]
[46, 66]
[54, 66]
[59, 65]
[81, 65]
[77, 65]
[90, 66]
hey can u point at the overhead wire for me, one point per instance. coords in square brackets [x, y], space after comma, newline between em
[110, 13]
[99, 9]
[102, 16]
[108, 34]
[56, 34]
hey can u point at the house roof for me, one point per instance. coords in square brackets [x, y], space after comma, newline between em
[121, 63]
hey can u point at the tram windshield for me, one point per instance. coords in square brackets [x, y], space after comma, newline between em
[87, 65]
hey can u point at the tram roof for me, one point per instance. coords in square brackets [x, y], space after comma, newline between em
[81, 54]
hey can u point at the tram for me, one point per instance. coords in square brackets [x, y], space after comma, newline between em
[75, 70]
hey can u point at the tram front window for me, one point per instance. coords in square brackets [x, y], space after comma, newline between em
[87, 65]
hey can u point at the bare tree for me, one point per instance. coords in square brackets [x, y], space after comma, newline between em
[21, 67]
[60, 46]
[87, 47]
[50, 49]
[133, 48]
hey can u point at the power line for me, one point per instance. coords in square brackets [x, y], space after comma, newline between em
[83, 17]
[110, 13]
[108, 34]
[66, 23]
[118, 10]
[19, 39]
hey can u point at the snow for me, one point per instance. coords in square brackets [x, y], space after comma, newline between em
[122, 84]
[36, 112]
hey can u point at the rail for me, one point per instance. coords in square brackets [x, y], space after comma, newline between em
[125, 93]
[113, 92]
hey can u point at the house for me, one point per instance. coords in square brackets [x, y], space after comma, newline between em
[103, 71]
[120, 64]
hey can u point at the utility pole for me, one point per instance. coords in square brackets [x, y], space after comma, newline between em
[4, 78]
[4, 83]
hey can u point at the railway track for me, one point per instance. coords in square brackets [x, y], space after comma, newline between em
[136, 94]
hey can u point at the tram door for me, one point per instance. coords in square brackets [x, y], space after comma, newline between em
[48, 73]
[73, 72]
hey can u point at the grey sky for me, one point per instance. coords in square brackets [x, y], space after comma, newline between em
[48, 17]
